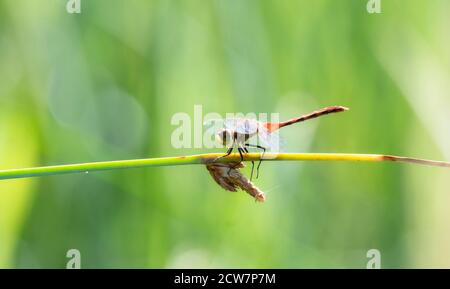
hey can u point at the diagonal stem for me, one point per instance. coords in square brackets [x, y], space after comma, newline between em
[203, 159]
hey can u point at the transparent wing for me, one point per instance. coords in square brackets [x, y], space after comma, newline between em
[242, 125]
[269, 140]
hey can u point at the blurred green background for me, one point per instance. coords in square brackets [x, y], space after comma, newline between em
[104, 85]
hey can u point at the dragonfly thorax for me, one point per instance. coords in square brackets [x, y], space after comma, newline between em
[228, 137]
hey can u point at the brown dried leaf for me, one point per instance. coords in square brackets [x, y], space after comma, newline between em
[228, 176]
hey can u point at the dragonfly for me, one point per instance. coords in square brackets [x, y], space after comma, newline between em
[237, 133]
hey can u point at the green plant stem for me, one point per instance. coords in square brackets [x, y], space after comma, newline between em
[203, 159]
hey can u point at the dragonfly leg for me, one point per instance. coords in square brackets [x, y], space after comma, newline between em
[260, 159]
[253, 164]
[240, 150]
[229, 151]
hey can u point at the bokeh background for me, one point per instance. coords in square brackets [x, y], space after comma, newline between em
[104, 85]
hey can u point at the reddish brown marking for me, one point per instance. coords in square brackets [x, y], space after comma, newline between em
[389, 158]
[273, 126]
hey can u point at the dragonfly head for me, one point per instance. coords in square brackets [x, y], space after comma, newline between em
[225, 137]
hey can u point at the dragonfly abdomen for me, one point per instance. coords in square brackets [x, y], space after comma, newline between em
[272, 126]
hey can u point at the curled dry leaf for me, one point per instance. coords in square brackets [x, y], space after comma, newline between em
[228, 176]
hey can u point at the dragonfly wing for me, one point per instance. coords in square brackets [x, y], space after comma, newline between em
[270, 140]
[242, 125]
